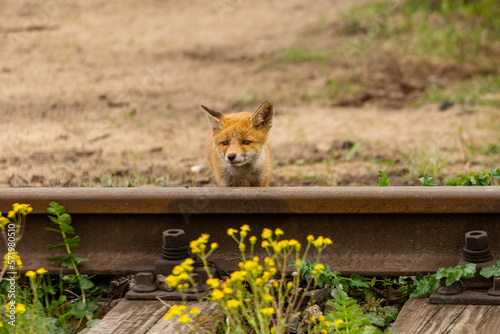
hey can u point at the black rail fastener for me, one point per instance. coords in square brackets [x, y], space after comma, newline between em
[477, 290]
[150, 281]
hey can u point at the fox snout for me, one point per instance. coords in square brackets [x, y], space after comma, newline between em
[235, 159]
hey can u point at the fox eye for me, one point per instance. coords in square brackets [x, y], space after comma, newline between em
[225, 143]
[246, 142]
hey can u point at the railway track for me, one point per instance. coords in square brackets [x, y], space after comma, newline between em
[375, 230]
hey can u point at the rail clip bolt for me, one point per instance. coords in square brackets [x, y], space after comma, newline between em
[174, 245]
[495, 290]
[476, 248]
[174, 238]
[145, 282]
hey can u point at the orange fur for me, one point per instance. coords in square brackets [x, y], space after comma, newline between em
[237, 148]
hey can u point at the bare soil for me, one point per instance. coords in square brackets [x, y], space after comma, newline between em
[104, 93]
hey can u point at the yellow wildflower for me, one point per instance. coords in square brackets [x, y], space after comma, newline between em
[267, 233]
[245, 228]
[214, 245]
[268, 298]
[318, 242]
[21, 208]
[328, 241]
[175, 310]
[326, 324]
[338, 322]
[321, 318]
[267, 311]
[41, 271]
[231, 231]
[259, 281]
[217, 294]
[4, 221]
[310, 238]
[265, 244]
[11, 214]
[20, 309]
[242, 247]
[213, 282]
[269, 262]
[324, 331]
[238, 275]
[16, 257]
[233, 303]
[253, 239]
[227, 290]
[319, 267]
[194, 310]
[184, 319]
[279, 232]
[30, 274]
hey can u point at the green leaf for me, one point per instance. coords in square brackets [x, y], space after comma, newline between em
[452, 182]
[85, 283]
[78, 259]
[56, 209]
[63, 261]
[490, 271]
[72, 242]
[495, 173]
[50, 246]
[359, 281]
[52, 230]
[427, 180]
[78, 309]
[375, 319]
[424, 285]
[70, 278]
[384, 180]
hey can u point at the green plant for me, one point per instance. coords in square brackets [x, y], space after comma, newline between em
[83, 307]
[259, 297]
[383, 316]
[491, 271]
[427, 180]
[475, 179]
[429, 283]
[12, 229]
[349, 317]
[384, 180]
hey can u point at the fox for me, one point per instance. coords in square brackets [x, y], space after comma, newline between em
[237, 148]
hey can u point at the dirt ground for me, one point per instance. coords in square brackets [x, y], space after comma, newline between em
[105, 93]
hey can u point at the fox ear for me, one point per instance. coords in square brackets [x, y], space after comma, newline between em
[263, 117]
[214, 117]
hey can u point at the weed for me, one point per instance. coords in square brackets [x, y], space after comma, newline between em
[427, 180]
[475, 179]
[491, 271]
[384, 180]
[260, 297]
[82, 308]
[427, 284]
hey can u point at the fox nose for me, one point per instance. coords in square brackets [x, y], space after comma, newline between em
[231, 157]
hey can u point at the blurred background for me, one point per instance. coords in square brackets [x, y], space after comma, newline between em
[106, 93]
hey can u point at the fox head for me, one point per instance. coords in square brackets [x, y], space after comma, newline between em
[240, 138]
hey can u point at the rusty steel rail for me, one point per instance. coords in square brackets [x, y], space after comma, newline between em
[376, 230]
